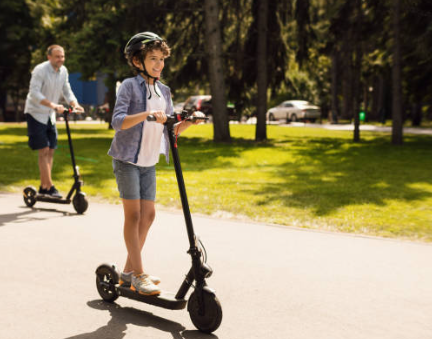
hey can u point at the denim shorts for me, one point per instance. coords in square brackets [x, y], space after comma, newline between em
[135, 182]
[41, 135]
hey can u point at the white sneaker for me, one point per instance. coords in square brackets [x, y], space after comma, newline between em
[126, 279]
[143, 285]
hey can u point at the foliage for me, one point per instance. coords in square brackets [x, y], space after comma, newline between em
[303, 37]
[17, 37]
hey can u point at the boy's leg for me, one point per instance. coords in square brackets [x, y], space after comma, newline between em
[147, 216]
[131, 235]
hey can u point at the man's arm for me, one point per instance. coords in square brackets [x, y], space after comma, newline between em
[69, 95]
[58, 108]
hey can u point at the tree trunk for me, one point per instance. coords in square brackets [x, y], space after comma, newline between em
[357, 70]
[416, 114]
[347, 103]
[214, 56]
[379, 100]
[397, 131]
[347, 75]
[334, 87]
[110, 82]
[3, 96]
[366, 99]
[261, 127]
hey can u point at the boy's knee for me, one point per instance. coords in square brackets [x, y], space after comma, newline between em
[148, 217]
[134, 218]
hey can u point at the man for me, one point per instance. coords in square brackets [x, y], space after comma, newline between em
[49, 81]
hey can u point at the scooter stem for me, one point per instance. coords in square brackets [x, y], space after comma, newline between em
[66, 118]
[182, 189]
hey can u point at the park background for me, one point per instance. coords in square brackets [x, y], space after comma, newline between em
[345, 56]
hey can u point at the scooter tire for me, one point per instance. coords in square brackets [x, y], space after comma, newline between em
[210, 318]
[106, 279]
[80, 202]
[30, 196]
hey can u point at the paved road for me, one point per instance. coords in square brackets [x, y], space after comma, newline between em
[273, 282]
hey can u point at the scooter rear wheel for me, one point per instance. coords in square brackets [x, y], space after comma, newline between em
[80, 202]
[30, 196]
[106, 279]
[210, 317]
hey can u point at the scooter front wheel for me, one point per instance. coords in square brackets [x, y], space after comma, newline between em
[30, 196]
[209, 317]
[80, 202]
[106, 279]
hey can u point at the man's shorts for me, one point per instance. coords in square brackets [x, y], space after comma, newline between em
[135, 182]
[41, 135]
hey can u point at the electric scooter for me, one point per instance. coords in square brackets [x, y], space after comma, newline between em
[203, 306]
[79, 201]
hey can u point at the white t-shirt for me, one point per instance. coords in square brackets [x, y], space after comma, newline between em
[151, 141]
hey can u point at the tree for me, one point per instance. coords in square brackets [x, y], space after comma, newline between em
[357, 67]
[261, 132]
[276, 55]
[397, 134]
[214, 55]
[17, 37]
[416, 45]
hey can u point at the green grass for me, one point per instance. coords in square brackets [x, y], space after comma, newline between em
[302, 177]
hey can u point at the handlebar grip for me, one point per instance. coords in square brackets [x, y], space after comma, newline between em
[194, 119]
[70, 111]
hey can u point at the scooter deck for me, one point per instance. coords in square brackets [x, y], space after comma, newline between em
[46, 198]
[165, 299]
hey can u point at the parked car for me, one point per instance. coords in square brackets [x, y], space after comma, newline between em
[198, 103]
[203, 103]
[178, 107]
[294, 110]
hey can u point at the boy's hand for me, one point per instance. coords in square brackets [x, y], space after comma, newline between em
[160, 116]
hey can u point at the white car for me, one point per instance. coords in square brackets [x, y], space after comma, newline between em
[178, 107]
[294, 110]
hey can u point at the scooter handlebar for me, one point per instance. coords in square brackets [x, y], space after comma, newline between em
[178, 118]
[72, 111]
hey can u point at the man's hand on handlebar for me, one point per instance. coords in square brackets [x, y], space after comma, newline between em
[59, 109]
[78, 109]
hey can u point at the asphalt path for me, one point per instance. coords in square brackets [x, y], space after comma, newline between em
[273, 282]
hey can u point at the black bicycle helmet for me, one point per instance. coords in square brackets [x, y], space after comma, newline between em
[135, 44]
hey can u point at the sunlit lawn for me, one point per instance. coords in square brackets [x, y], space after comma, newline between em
[302, 177]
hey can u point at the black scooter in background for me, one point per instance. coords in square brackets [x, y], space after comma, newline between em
[79, 200]
[203, 306]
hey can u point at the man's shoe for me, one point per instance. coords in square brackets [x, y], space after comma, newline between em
[42, 191]
[143, 285]
[126, 279]
[54, 193]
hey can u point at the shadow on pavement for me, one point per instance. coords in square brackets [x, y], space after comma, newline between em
[29, 215]
[123, 316]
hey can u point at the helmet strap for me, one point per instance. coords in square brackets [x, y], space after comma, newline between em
[145, 73]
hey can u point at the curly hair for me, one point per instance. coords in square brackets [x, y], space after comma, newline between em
[151, 46]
